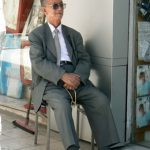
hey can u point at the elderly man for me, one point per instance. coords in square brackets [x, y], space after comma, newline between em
[60, 71]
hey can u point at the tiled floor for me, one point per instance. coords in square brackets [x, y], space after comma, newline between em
[14, 138]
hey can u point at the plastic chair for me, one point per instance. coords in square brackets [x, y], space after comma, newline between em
[46, 112]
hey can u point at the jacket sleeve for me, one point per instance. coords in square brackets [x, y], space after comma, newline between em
[83, 59]
[41, 65]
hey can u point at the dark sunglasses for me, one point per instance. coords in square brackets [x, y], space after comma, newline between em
[56, 6]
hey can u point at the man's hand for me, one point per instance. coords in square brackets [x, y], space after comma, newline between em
[71, 80]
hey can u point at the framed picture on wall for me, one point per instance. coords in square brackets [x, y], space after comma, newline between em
[144, 41]
[143, 10]
[143, 80]
[143, 112]
[16, 13]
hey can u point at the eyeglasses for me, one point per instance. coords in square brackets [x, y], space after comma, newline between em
[56, 6]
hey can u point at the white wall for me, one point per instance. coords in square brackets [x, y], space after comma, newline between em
[94, 19]
[104, 23]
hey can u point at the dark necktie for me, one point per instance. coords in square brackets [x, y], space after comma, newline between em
[57, 45]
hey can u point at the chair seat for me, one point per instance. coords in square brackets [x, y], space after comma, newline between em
[42, 109]
[29, 106]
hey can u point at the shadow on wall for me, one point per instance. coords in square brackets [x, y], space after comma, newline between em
[100, 75]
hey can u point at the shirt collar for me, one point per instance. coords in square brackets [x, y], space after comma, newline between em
[52, 28]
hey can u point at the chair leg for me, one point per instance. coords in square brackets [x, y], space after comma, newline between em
[78, 119]
[92, 141]
[36, 128]
[48, 128]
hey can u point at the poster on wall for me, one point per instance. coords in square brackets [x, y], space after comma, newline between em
[143, 80]
[144, 9]
[143, 112]
[144, 41]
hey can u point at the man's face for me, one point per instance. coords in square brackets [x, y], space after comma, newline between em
[54, 11]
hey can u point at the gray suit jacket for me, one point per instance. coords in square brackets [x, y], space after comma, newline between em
[44, 58]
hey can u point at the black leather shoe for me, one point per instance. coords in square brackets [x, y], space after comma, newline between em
[105, 148]
[73, 148]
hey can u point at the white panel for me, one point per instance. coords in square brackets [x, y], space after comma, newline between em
[120, 28]
[112, 81]
[110, 61]
[118, 99]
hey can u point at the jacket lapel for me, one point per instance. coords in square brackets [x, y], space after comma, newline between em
[49, 40]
